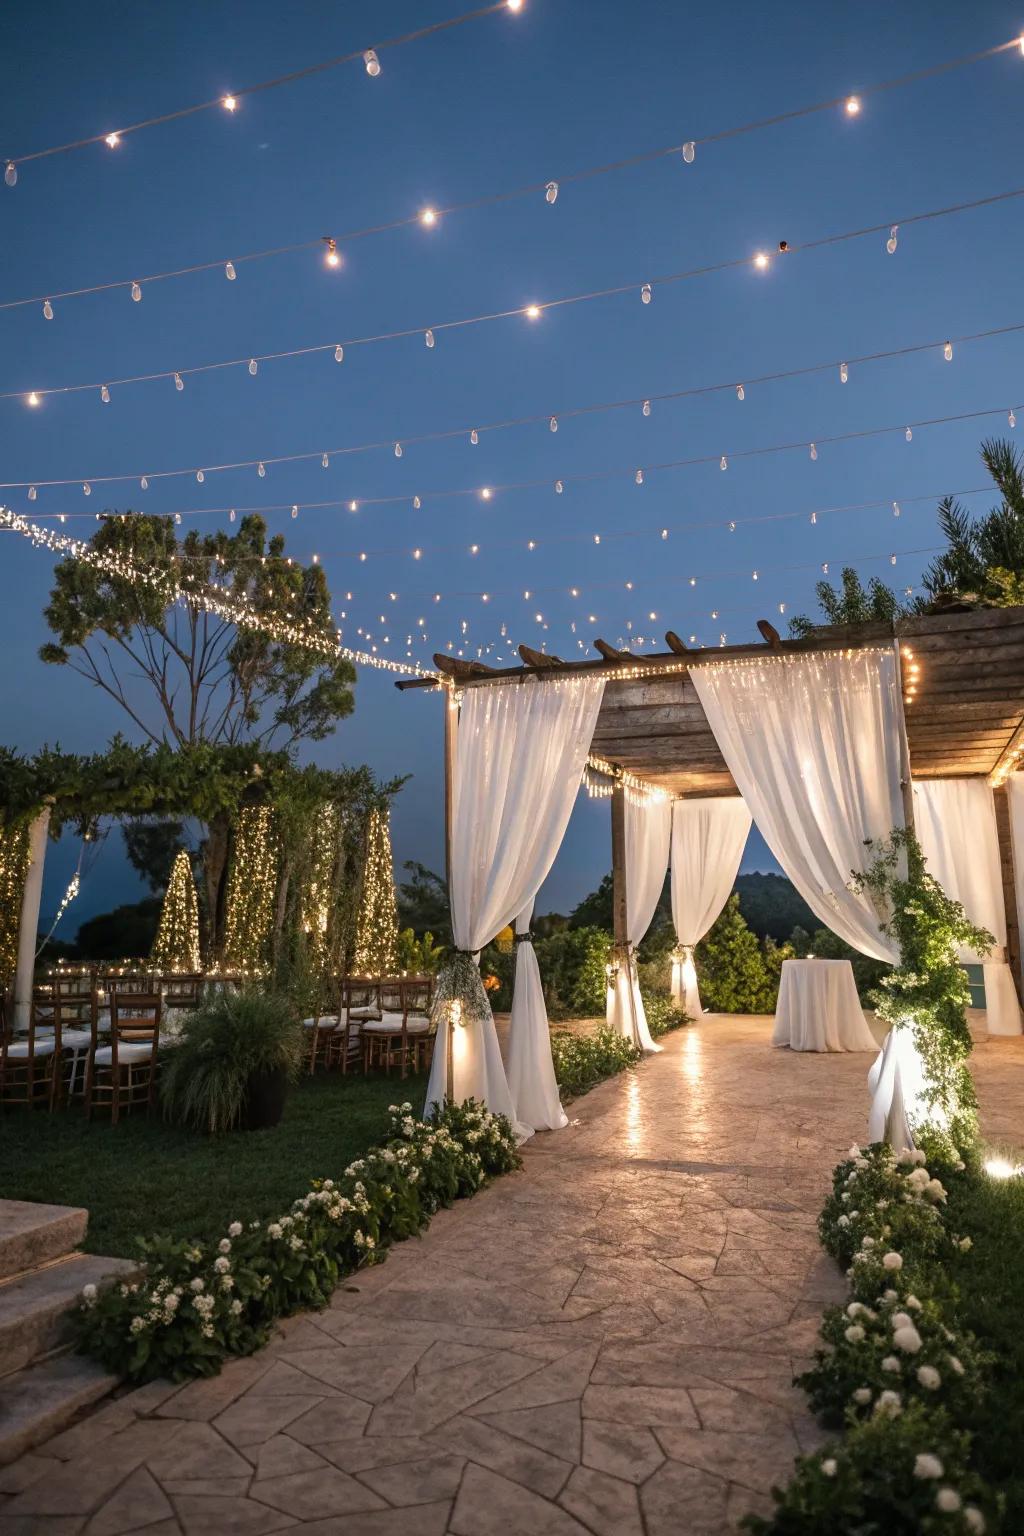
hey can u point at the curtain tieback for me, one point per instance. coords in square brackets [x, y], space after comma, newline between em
[523, 938]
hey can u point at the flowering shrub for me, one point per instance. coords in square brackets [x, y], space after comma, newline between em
[193, 1306]
[583, 1060]
[663, 1014]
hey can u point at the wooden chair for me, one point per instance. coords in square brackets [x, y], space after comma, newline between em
[75, 1013]
[123, 1073]
[321, 1029]
[405, 1003]
[28, 1061]
[420, 1000]
[358, 1001]
[183, 990]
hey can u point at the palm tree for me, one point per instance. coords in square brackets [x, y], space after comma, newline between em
[993, 542]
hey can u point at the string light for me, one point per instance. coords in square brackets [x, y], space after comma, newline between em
[947, 351]
[892, 241]
[689, 151]
[645, 294]
[532, 311]
[112, 140]
[741, 393]
[551, 192]
[646, 408]
[229, 271]
[761, 260]
[252, 886]
[11, 174]
[332, 256]
[47, 310]
[179, 382]
[33, 398]
[814, 451]
[176, 947]
[852, 106]
[372, 63]
[428, 217]
[844, 373]
[1011, 419]
[428, 337]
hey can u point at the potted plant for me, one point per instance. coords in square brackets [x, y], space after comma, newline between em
[231, 1068]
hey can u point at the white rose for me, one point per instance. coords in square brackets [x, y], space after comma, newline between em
[862, 1395]
[892, 1261]
[889, 1404]
[902, 1320]
[867, 1242]
[855, 1333]
[235, 1229]
[948, 1501]
[965, 1245]
[929, 1377]
[955, 1365]
[828, 1466]
[935, 1190]
[926, 1465]
[912, 1301]
[224, 1245]
[974, 1519]
[844, 1221]
[890, 1363]
[907, 1339]
[222, 1265]
[88, 1293]
[196, 1285]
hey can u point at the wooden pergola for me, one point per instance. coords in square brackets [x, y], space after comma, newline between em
[963, 686]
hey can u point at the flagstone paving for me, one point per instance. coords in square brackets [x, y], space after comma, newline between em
[602, 1345]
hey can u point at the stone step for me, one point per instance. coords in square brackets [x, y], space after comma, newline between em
[33, 1306]
[32, 1234]
[43, 1400]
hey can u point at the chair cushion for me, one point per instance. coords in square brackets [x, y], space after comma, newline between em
[325, 1023]
[126, 1054]
[18, 1049]
[391, 1024]
[75, 1039]
[370, 1012]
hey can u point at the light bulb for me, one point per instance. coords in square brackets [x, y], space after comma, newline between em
[353, 506]
[559, 487]
[372, 63]
[398, 450]
[200, 476]
[531, 544]
[177, 518]
[112, 140]
[732, 527]
[47, 310]
[852, 106]
[11, 174]
[553, 424]
[231, 515]
[895, 509]
[814, 450]
[551, 192]
[597, 538]
[253, 367]
[723, 463]
[514, 5]
[295, 511]
[229, 271]
[824, 568]
[892, 242]
[136, 293]
[947, 351]
[87, 489]
[814, 517]
[844, 373]
[428, 217]
[416, 503]
[532, 311]
[144, 483]
[693, 581]
[741, 393]
[474, 549]
[892, 559]
[1011, 419]
[332, 256]
[761, 260]
[647, 407]
[754, 576]
[33, 398]
[428, 337]
[645, 294]
[664, 533]
[689, 150]
[229, 103]
[31, 493]
[325, 462]
[261, 470]
[474, 437]
[339, 354]
[909, 435]
[639, 477]
[485, 494]
[179, 382]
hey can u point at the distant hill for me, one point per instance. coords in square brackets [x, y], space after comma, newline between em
[772, 907]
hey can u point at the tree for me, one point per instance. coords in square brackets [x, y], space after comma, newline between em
[854, 604]
[203, 678]
[423, 902]
[377, 939]
[981, 554]
[152, 845]
[732, 971]
[176, 947]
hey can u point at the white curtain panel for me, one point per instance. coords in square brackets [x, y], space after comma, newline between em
[816, 745]
[956, 827]
[648, 833]
[708, 838]
[520, 750]
[531, 1072]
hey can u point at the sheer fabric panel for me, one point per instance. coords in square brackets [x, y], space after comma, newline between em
[708, 838]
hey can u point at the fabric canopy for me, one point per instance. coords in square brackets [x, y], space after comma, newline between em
[816, 744]
[708, 838]
[520, 751]
[531, 1072]
[956, 827]
[648, 829]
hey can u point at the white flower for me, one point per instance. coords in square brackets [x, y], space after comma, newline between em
[926, 1465]
[918, 1179]
[862, 1395]
[88, 1293]
[955, 1365]
[890, 1296]
[236, 1306]
[912, 1301]
[855, 1333]
[890, 1363]
[935, 1190]
[224, 1245]
[974, 1519]
[235, 1229]
[137, 1324]
[854, 1151]
[948, 1501]
[901, 1320]
[855, 1309]
[274, 1229]
[907, 1339]
[892, 1261]
[929, 1377]
[889, 1404]
[965, 1245]
[222, 1265]
[197, 1284]
[867, 1242]
[828, 1466]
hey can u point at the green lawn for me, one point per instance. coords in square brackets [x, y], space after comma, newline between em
[144, 1177]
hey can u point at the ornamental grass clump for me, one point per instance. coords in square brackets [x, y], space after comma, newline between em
[225, 1047]
[195, 1305]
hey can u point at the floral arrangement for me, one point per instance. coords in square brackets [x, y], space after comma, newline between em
[894, 1372]
[193, 1306]
[491, 984]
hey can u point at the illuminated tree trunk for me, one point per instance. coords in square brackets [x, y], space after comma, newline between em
[176, 947]
[376, 952]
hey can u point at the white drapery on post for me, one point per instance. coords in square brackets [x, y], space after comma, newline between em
[531, 1072]
[708, 838]
[520, 750]
[28, 925]
[817, 746]
[648, 830]
[956, 827]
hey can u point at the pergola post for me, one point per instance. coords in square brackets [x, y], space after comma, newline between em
[451, 710]
[28, 923]
[620, 909]
[1001, 797]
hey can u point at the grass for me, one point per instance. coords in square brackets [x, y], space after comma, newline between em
[144, 1177]
[989, 1284]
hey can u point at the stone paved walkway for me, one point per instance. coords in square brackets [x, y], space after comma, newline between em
[601, 1346]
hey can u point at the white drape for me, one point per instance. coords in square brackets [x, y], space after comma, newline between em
[816, 745]
[956, 827]
[531, 1072]
[520, 751]
[648, 830]
[708, 838]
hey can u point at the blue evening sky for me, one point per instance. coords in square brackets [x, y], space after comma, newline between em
[506, 100]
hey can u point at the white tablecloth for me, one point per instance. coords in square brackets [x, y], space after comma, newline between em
[819, 1009]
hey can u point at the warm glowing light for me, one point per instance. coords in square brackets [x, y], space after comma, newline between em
[112, 140]
[1000, 1167]
[229, 103]
[852, 106]
[428, 216]
[332, 255]
[33, 398]
[761, 260]
[532, 311]
[486, 493]
[947, 351]
[514, 5]
[372, 63]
